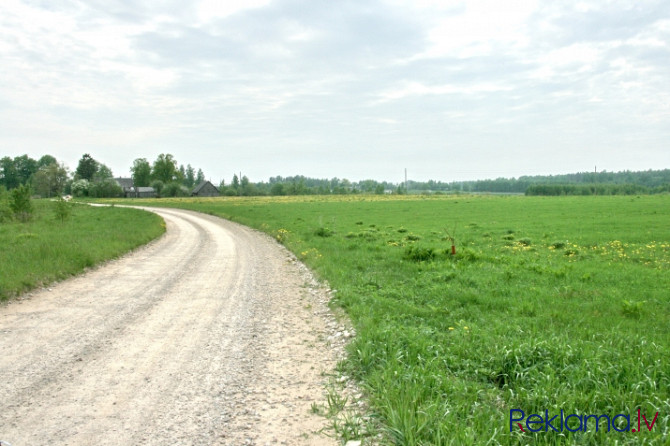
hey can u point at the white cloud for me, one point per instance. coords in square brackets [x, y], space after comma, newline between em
[408, 89]
[477, 28]
[209, 10]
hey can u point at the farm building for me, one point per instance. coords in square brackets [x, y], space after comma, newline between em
[130, 191]
[205, 189]
[144, 192]
[127, 185]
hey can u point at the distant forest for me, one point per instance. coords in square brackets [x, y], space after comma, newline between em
[587, 183]
[584, 183]
[48, 177]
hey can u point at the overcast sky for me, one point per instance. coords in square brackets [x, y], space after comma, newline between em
[450, 90]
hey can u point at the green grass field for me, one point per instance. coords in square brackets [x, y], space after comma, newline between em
[46, 249]
[550, 303]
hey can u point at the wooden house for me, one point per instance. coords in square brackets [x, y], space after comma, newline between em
[130, 191]
[205, 189]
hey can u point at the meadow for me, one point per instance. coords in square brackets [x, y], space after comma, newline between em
[549, 304]
[49, 248]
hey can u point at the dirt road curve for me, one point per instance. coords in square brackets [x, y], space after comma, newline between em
[212, 335]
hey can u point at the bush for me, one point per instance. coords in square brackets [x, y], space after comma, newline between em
[158, 186]
[174, 189]
[79, 188]
[21, 204]
[105, 189]
[63, 209]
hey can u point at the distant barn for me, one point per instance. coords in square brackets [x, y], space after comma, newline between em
[145, 192]
[205, 189]
[130, 191]
[127, 185]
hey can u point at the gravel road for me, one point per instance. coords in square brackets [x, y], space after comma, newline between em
[212, 335]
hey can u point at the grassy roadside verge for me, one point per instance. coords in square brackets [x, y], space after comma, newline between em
[550, 304]
[45, 249]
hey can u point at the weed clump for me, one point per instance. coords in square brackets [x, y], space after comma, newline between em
[525, 241]
[323, 231]
[632, 309]
[419, 254]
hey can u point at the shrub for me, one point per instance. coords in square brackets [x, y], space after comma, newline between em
[105, 189]
[158, 186]
[63, 209]
[174, 189]
[20, 203]
[79, 188]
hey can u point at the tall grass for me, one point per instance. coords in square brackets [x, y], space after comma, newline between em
[549, 304]
[50, 247]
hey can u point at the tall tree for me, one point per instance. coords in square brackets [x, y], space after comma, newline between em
[86, 168]
[141, 172]
[189, 180]
[103, 174]
[165, 168]
[236, 183]
[201, 177]
[50, 180]
[9, 177]
[46, 160]
[182, 174]
[25, 168]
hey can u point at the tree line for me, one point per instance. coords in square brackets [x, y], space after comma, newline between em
[47, 178]
[587, 183]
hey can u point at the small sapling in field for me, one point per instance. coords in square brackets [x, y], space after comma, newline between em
[63, 209]
[451, 236]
